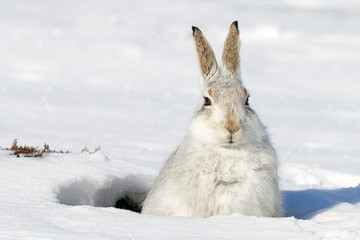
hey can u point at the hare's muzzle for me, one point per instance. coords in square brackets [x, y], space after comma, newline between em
[231, 123]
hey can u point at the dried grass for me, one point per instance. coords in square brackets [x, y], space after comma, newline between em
[30, 151]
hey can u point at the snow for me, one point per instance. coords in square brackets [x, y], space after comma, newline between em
[124, 75]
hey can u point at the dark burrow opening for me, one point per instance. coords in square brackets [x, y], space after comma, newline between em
[127, 203]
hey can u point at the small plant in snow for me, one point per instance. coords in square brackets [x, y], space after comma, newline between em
[30, 151]
[85, 149]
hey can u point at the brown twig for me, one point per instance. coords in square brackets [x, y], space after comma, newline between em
[85, 149]
[29, 151]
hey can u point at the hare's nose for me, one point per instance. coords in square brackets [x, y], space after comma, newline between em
[232, 129]
[232, 125]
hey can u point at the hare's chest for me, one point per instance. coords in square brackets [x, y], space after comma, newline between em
[225, 171]
[222, 183]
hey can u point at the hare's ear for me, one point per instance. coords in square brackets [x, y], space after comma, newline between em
[205, 54]
[230, 57]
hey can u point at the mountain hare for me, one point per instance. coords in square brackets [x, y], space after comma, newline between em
[226, 164]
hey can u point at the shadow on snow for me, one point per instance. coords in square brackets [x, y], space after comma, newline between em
[307, 203]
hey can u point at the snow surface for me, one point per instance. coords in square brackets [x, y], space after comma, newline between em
[123, 75]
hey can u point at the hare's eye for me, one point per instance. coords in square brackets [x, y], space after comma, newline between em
[247, 103]
[207, 101]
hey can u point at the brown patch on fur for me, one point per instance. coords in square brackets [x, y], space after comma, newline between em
[205, 54]
[210, 92]
[231, 123]
[230, 55]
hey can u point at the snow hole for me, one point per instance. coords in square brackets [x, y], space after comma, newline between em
[105, 191]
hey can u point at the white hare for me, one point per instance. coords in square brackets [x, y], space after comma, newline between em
[227, 163]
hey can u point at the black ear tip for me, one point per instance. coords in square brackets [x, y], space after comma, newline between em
[195, 29]
[235, 23]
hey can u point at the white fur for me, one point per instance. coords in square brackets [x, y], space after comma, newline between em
[207, 175]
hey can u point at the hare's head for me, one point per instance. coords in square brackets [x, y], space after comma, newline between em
[224, 116]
